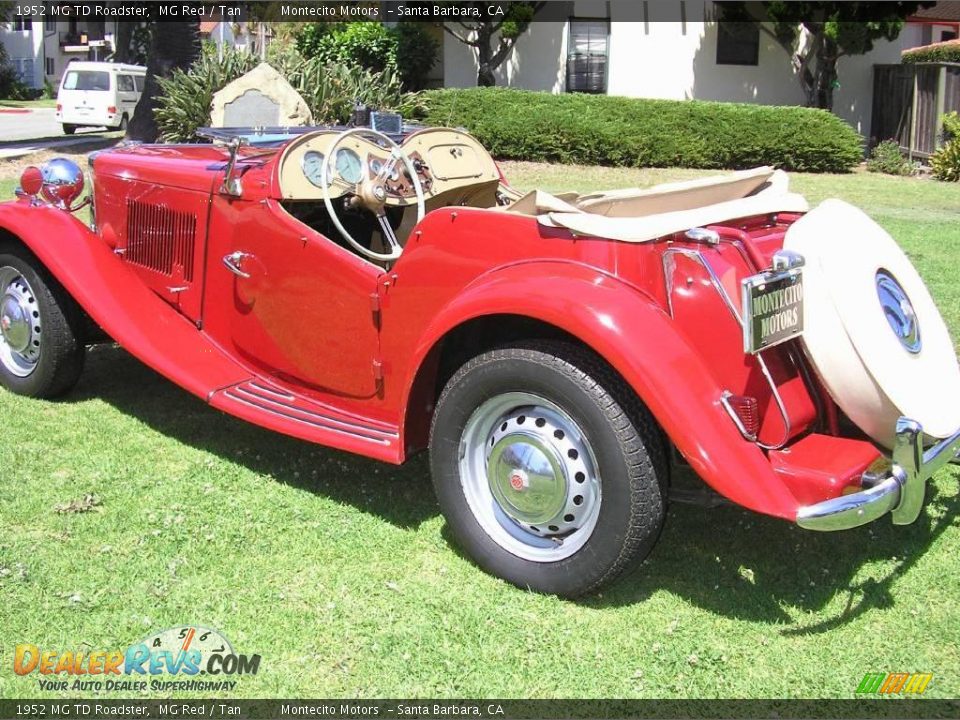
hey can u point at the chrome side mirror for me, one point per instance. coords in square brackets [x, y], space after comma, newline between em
[62, 183]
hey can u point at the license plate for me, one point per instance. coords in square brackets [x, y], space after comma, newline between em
[772, 309]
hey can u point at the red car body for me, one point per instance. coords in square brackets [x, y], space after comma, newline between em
[322, 345]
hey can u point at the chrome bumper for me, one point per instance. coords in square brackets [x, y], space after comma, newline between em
[898, 491]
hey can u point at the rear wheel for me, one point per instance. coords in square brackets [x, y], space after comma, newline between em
[123, 123]
[41, 353]
[69, 129]
[548, 469]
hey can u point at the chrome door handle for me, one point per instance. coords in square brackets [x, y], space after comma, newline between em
[233, 261]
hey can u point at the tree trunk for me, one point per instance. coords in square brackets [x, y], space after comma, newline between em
[485, 76]
[172, 45]
[123, 41]
[827, 74]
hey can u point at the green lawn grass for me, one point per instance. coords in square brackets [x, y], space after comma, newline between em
[339, 572]
[38, 103]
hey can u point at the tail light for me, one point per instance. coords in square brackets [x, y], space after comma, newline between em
[112, 109]
[744, 410]
[31, 180]
[59, 107]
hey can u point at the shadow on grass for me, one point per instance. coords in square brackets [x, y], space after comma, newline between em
[402, 496]
[724, 559]
[752, 567]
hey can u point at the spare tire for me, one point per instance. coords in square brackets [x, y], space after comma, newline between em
[871, 329]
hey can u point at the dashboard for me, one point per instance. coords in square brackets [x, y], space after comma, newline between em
[444, 160]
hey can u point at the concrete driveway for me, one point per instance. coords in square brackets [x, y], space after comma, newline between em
[25, 131]
[34, 124]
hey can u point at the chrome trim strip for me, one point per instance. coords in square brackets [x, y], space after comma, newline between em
[287, 410]
[784, 415]
[263, 388]
[900, 493]
[725, 401]
[311, 423]
[669, 265]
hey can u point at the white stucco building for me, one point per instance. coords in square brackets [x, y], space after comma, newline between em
[674, 51]
[41, 48]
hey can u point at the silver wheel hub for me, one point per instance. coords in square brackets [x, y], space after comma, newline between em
[899, 311]
[20, 326]
[529, 476]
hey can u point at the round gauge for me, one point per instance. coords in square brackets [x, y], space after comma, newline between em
[349, 166]
[194, 643]
[312, 166]
[376, 165]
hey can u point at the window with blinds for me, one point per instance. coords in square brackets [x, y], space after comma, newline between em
[587, 50]
[738, 43]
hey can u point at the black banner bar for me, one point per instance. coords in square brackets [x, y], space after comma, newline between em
[217, 709]
[387, 11]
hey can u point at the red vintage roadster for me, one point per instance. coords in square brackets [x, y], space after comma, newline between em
[559, 355]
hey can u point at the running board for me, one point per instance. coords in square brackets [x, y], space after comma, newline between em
[263, 403]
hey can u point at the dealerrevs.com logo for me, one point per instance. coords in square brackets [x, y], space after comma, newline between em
[185, 652]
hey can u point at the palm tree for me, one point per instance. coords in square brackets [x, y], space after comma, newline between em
[172, 45]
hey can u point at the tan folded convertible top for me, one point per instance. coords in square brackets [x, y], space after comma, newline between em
[640, 215]
[643, 229]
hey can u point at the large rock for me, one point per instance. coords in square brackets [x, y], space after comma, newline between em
[261, 98]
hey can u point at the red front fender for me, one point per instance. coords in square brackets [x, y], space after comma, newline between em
[639, 340]
[146, 326]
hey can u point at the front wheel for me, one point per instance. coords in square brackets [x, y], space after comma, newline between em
[41, 353]
[549, 470]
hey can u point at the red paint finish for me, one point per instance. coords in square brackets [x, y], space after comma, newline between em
[821, 466]
[314, 342]
[304, 315]
[119, 302]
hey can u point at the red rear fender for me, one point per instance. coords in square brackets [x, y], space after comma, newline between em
[638, 339]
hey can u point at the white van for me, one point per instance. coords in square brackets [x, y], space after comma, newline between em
[101, 94]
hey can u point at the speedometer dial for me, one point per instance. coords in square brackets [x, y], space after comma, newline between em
[312, 166]
[349, 166]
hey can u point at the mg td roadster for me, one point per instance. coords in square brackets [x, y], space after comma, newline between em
[560, 356]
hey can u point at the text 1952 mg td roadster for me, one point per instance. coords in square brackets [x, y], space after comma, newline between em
[383, 293]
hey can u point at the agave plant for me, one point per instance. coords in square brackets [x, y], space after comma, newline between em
[329, 89]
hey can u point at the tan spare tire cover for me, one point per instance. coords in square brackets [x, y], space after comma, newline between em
[871, 328]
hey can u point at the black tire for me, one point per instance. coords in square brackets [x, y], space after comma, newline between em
[123, 123]
[624, 439]
[61, 350]
[69, 129]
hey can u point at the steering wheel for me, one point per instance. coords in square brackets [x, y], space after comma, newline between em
[371, 193]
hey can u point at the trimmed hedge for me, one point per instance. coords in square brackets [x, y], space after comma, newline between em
[607, 130]
[948, 51]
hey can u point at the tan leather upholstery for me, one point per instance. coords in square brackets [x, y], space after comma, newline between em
[671, 197]
[642, 229]
[539, 202]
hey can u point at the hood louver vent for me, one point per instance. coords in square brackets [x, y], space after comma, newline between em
[161, 239]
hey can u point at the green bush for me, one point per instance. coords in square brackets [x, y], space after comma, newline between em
[606, 130]
[886, 158]
[329, 90]
[407, 49]
[11, 87]
[417, 53]
[948, 51]
[945, 162]
[951, 126]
